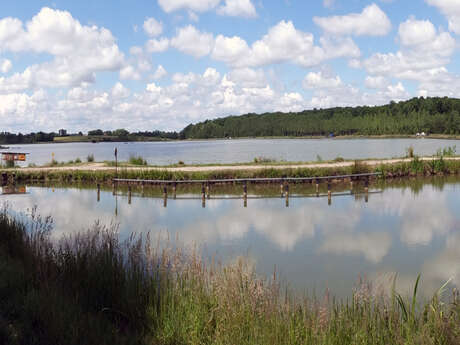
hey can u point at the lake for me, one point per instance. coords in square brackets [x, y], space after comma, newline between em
[408, 227]
[235, 151]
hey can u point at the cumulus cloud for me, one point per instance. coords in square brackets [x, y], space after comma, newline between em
[79, 51]
[157, 45]
[282, 43]
[119, 91]
[5, 65]
[423, 56]
[238, 8]
[152, 27]
[192, 5]
[191, 41]
[451, 9]
[318, 80]
[160, 73]
[371, 21]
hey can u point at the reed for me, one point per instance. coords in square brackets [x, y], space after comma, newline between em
[94, 288]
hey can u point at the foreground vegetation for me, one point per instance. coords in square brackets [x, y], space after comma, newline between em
[93, 288]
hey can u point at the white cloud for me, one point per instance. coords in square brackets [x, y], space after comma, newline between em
[416, 32]
[230, 49]
[377, 82]
[236, 8]
[5, 65]
[79, 51]
[192, 5]
[160, 73]
[423, 55]
[451, 9]
[119, 91]
[152, 27]
[318, 80]
[248, 77]
[282, 43]
[371, 21]
[191, 41]
[157, 45]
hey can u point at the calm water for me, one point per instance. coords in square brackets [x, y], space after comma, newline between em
[404, 229]
[235, 151]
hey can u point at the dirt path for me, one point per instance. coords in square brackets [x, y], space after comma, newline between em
[102, 166]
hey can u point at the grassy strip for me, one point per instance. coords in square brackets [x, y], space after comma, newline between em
[415, 167]
[93, 288]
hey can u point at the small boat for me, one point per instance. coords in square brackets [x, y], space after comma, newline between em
[4, 147]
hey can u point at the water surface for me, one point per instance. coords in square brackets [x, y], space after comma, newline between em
[408, 228]
[235, 151]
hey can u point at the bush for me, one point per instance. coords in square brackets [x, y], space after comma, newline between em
[78, 160]
[410, 152]
[449, 151]
[262, 159]
[90, 158]
[137, 160]
[339, 159]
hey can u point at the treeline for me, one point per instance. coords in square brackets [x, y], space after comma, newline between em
[100, 135]
[31, 138]
[429, 115]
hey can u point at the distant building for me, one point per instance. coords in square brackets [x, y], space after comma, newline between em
[62, 132]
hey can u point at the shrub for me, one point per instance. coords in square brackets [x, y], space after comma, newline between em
[410, 152]
[137, 160]
[78, 160]
[90, 158]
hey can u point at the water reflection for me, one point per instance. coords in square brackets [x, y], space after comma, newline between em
[410, 227]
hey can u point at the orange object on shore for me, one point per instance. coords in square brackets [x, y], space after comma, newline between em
[14, 156]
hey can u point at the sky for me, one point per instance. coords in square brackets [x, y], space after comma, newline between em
[163, 64]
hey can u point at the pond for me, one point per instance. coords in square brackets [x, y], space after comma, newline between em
[234, 151]
[408, 227]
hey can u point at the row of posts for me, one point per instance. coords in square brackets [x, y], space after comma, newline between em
[205, 192]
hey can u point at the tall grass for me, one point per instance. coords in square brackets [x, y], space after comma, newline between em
[90, 158]
[137, 160]
[93, 288]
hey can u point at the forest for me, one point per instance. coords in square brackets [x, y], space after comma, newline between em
[429, 115]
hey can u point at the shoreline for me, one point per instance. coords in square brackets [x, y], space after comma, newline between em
[102, 172]
[314, 137]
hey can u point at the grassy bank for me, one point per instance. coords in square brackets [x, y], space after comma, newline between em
[413, 167]
[93, 288]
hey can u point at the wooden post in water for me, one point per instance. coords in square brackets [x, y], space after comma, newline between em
[142, 186]
[281, 188]
[366, 189]
[287, 194]
[329, 193]
[208, 195]
[351, 185]
[98, 192]
[203, 196]
[174, 190]
[245, 194]
[129, 194]
[113, 188]
[317, 188]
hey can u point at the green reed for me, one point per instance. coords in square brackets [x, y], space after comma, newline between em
[93, 288]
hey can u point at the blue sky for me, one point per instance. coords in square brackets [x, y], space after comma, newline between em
[162, 64]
